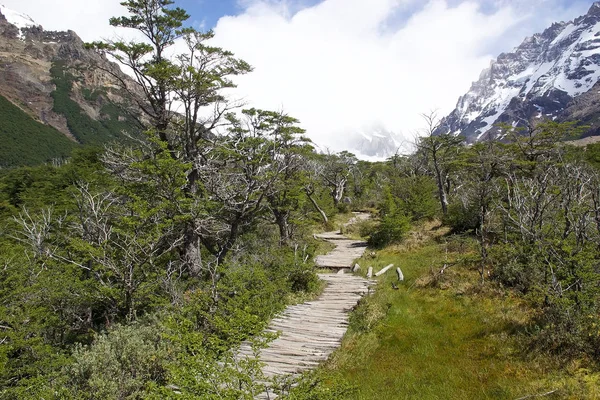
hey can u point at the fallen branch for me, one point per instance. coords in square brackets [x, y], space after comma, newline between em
[537, 395]
[400, 274]
[384, 270]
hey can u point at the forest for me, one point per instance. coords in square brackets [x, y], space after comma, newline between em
[134, 271]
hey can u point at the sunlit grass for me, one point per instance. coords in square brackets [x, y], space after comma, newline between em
[445, 336]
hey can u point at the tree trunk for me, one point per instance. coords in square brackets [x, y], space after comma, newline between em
[314, 203]
[191, 251]
[384, 270]
[281, 218]
[338, 194]
[440, 184]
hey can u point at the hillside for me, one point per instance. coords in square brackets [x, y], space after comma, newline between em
[60, 84]
[26, 141]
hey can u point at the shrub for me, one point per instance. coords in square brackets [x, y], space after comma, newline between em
[394, 224]
[303, 279]
[119, 363]
[461, 217]
[392, 229]
[417, 198]
[314, 385]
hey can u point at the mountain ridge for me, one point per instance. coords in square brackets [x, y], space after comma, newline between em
[550, 75]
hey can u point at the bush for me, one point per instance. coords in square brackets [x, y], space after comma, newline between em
[461, 218]
[516, 266]
[120, 363]
[303, 279]
[314, 385]
[392, 229]
[417, 198]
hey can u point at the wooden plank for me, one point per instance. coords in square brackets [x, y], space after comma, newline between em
[310, 332]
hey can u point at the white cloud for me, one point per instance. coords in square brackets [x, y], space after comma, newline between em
[88, 18]
[339, 66]
[345, 65]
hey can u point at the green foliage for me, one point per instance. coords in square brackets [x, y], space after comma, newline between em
[119, 363]
[461, 342]
[462, 217]
[205, 236]
[314, 385]
[416, 197]
[28, 142]
[394, 224]
[568, 321]
[592, 154]
[530, 205]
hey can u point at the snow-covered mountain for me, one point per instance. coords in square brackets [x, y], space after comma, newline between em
[552, 75]
[374, 143]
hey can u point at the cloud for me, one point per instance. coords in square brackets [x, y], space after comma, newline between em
[346, 65]
[89, 19]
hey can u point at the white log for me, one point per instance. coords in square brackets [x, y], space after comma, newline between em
[400, 274]
[384, 270]
[341, 271]
[356, 268]
[370, 272]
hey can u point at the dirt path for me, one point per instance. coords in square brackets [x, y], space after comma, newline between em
[310, 332]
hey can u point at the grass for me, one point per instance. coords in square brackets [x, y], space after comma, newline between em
[446, 336]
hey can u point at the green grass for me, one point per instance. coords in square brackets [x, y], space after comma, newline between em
[445, 336]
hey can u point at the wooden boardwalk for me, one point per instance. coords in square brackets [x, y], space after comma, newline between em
[346, 250]
[310, 332]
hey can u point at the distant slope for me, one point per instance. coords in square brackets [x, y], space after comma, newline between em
[55, 80]
[552, 75]
[24, 141]
[109, 122]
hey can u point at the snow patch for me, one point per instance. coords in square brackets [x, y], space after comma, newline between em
[564, 34]
[17, 19]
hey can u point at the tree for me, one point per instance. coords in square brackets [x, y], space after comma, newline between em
[288, 150]
[193, 79]
[439, 152]
[335, 172]
[481, 168]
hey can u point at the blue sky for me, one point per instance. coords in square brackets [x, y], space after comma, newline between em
[341, 65]
[209, 11]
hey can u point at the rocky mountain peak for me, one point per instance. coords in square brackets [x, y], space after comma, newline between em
[540, 79]
[22, 22]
